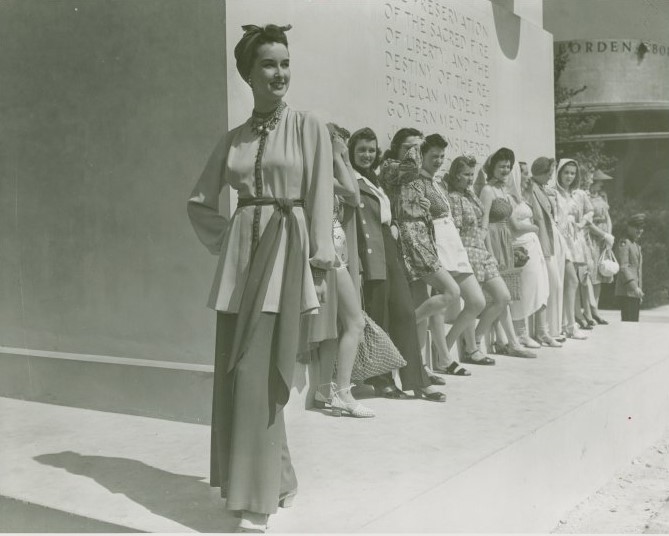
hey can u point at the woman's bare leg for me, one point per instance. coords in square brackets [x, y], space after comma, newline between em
[448, 291]
[570, 289]
[500, 300]
[350, 316]
[506, 323]
[474, 300]
[438, 332]
[596, 290]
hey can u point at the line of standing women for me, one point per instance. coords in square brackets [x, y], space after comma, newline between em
[290, 236]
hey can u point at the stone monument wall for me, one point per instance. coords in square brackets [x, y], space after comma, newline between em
[472, 71]
[111, 108]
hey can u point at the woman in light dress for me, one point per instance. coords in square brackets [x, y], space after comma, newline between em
[601, 237]
[568, 208]
[534, 275]
[583, 213]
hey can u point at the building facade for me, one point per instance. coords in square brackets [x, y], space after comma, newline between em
[618, 50]
[626, 85]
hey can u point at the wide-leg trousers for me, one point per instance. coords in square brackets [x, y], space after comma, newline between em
[250, 460]
[390, 304]
[556, 267]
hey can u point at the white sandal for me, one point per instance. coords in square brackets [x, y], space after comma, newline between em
[528, 342]
[354, 409]
[253, 522]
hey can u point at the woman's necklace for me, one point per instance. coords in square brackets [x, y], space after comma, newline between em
[262, 123]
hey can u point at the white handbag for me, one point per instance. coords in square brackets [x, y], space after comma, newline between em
[608, 265]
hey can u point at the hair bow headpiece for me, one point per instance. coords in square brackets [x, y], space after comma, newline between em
[245, 50]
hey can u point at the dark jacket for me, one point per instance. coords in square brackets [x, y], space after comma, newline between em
[542, 215]
[370, 235]
[630, 260]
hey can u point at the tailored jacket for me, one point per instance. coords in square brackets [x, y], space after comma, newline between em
[630, 259]
[542, 215]
[371, 251]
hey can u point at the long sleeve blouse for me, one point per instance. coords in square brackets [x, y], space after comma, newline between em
[295, 163]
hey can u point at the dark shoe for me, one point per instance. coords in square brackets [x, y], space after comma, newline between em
[499, 348]
[561, 338]
[322, 401]
[583, 323]
[434, 380]
[600, 320]
[454, 369]
[477, 358]
[591, 322]
[392, 392]
[436, 396]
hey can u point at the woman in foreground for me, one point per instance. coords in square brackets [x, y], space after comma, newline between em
[273, 255]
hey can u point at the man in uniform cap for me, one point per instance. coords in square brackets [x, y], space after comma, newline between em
[628, 281]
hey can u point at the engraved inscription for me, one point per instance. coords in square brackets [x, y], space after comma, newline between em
[437, 73]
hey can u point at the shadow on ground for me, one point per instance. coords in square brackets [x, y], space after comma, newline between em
[20, 516]
[185, 499]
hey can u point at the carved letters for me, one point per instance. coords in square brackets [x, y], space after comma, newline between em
[437, 73]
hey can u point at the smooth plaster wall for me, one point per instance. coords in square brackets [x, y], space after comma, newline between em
[531, 10]
[351, 88]
[108, 111]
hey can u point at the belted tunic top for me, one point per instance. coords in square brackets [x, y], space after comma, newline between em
[293, 163]
[283, 223]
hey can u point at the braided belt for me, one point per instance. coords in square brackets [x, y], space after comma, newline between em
[284, 205]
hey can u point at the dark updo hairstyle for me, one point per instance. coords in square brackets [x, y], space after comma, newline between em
[501, 155]
[397, 141]
[458, 164]
[366, 134]
[576, 183]
[433, 141]
[254, 37]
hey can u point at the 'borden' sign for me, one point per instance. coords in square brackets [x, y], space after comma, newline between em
[612, 45]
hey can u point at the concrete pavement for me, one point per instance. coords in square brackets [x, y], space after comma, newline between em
[544, 432]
